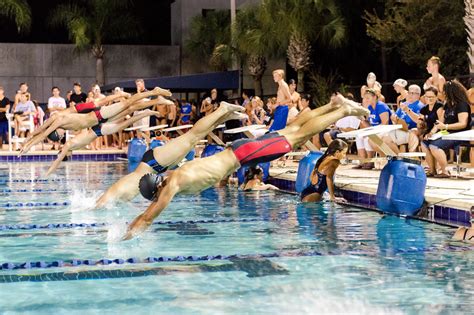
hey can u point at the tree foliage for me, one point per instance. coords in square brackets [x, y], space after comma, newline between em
[207, 33]
[19, 11]
[315, 20]
[91, 23]
[94, 22]
[419, 29]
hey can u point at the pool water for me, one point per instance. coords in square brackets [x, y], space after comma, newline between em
[265, 253]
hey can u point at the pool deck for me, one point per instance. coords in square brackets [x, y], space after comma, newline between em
[450, 201]
[110, 154]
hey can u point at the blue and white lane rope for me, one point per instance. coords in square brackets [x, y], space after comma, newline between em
[34, 204]
[148, 260]
[38, 180]
[23, 227]
[33, 190]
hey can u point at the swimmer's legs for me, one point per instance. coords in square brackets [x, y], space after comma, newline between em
[318, 123]
[111, 128]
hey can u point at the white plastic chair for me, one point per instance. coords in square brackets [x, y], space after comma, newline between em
[27, 124]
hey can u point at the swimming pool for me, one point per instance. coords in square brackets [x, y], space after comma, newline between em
[221, 252]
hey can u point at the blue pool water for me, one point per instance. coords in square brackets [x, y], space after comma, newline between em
[324, 258]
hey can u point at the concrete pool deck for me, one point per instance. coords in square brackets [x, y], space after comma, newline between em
[450, 201]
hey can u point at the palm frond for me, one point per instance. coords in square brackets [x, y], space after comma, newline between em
[19, 11]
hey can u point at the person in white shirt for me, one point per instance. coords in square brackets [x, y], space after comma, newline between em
[56, 103]
[345, 124]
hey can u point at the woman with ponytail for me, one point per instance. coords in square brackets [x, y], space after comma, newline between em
[322, 177]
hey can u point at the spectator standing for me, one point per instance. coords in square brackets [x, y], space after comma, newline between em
[373, 84]
[96, 92]
[437, 79]
[77, 97]
[281, 112]
[295, 104]
[56, 103]
[4, 110]
[140, 85]
[295, 96]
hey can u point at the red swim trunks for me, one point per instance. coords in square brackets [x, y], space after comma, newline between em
[267, 148]
[85, 108]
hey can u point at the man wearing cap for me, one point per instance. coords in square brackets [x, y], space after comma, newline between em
[402, 117]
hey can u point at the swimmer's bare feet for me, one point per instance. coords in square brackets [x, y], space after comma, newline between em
[237, 116]
[160, 91]
[163, 101]
[231, 107]
[151, 112]
[354, 109]
[125, 94]
[337, 100]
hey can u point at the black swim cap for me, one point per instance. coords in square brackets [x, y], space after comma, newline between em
[54, 136]
[149, 185]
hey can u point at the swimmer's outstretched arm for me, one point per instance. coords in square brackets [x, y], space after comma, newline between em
[40, 137]
[141, 105]
[79, 141]
[45, 125]
[106, 100]
[144, 220]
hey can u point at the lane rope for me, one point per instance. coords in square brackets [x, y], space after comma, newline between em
[24, 227]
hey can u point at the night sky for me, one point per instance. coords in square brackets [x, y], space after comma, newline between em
[154, 16]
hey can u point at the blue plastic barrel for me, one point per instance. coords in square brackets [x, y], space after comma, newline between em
[264, 166]
[306, 166]
[156, 143]
[136, 149]
[211, 149]
[401, 187]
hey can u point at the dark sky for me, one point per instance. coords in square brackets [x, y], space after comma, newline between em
[154, 16]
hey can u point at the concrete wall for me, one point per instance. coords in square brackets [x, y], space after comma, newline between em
[45, 65]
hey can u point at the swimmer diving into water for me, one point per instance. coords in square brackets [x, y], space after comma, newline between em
[160, 159]
[200, 174]
[83, 121]
[89, 135]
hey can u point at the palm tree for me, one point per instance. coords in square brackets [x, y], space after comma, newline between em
[469, 21]
[252, 44]
[295, 24]
[90, 23]
[209, 39]
[18, 10]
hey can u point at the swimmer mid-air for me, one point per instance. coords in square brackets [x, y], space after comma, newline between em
[102, 115]
[89, 135]
[161, 158]
[200, 174]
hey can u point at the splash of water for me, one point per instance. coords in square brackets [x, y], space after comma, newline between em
[82, 201]
[115, 232]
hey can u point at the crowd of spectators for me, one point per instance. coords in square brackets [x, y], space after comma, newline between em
[440, 106]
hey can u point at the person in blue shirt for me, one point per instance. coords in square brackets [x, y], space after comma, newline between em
[185, 114]
[402, 117]
[379, 115]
